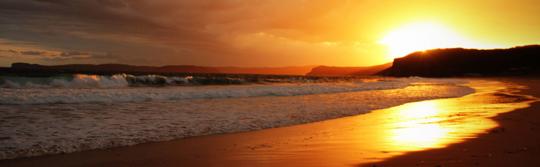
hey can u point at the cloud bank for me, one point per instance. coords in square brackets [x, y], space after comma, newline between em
[208, 32]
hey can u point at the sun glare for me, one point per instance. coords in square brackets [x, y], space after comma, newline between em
[419, 131]
[418, 37]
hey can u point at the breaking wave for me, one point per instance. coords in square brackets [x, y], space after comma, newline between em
[140, 94]
[114, 81]
[128, 88]
[127, 80]
[88, 112]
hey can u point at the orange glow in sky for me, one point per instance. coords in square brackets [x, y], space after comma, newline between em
[257, 33]
[423, 36]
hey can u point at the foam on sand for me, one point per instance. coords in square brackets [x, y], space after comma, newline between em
[69, 120]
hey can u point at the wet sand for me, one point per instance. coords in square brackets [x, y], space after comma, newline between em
[477, 129]
[515, 142]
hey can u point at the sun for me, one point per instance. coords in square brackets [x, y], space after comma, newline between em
[420, 36]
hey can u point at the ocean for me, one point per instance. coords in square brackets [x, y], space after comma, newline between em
[70, 113]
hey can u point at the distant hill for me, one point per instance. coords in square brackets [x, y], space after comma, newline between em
[298, 70]
[344, 71]
[105, 69]
[524, 60]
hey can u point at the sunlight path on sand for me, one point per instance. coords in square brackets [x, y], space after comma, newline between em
[382, 133]
[349, 141]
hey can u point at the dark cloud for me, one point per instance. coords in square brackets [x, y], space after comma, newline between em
[241, 32]
[74, 53]
[11, 51]
[24, 53]
[113, 3]
[52, 55]
[82, 55]
[171, 31]
[54, 1]
[32, 53]
[187, 22]
[165, 22]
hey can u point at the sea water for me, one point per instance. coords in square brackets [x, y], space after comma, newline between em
[69, 113]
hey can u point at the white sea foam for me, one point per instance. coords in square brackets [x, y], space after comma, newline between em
[87, 81]
[159, 114]
[92, 81]
[66, 94]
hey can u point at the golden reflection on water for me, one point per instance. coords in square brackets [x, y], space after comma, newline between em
[438, 123]
[384, 133]
[418, 129]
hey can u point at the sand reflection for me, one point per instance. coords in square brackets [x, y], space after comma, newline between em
[417, 129]
[384, 133]
[438, 123]
[349, 141]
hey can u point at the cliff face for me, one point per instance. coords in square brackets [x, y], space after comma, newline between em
[344, 71]
[462, 62]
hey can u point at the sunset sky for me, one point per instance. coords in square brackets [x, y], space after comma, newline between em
[255, 32]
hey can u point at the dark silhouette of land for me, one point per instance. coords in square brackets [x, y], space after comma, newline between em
[293, 70]
[27, 69]
[522, 60]
[105, 69]
[345, 71]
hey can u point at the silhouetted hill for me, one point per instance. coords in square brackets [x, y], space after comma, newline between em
[344, 71]
[110, 68]
[298, 70]
[107, 69]
[523, 60]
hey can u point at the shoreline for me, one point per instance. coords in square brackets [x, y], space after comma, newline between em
[283, 144]
[513, 143]
[67, 128]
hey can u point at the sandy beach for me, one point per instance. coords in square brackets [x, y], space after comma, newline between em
[496, 126]
[513, 143]
[265, 83]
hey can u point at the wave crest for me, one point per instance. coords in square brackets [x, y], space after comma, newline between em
[93, 81]
[140, 94]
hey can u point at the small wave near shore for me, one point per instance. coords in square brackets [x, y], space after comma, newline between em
[121, 89]
[37, 121]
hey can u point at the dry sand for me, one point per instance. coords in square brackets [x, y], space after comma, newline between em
[447, 132]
